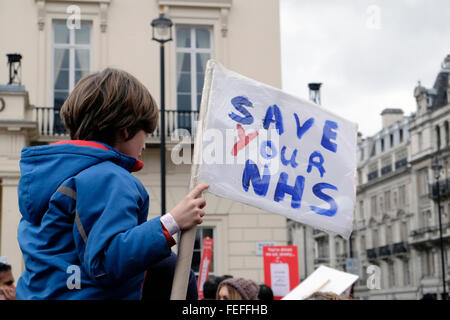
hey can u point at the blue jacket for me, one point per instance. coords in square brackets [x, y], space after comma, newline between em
[84, 217]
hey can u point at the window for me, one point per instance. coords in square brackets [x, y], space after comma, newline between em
[361, 209]
[323, 248]
[406, 273]
[386, 165]
[389, 235]
[395, 199]
[401, 159]
[401, 135]
[374, 238]
[391, 140]
[373, 172]
[387, 200]
[373, 206]
[419, 141]
[402, 195]
[428, 263]
[202, 233]
[382, 144]
[447, 133]
[404, 231]
[391, 274]
[363, 243]
[422, 181]
[71, 62]
[424, 219]
[438, 137]
[193, 50]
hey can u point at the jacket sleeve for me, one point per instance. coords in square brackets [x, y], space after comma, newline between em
[120, 242]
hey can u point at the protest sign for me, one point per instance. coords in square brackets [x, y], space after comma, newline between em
[271, 150]
[280, 269]
[324, 279]
[204, 264]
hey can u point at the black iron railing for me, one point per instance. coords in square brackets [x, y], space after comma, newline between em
[50, 124]
[384, 251]
[400, 248]
[371, 253]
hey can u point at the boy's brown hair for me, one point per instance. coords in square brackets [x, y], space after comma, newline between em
[106, 102]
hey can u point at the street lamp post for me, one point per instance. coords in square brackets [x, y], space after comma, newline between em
[437, 172]
[162, 33]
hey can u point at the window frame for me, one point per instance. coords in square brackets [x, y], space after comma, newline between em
[212, 265]
[192, 50]
[71, 46]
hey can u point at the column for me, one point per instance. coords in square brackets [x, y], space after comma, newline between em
[10, 218]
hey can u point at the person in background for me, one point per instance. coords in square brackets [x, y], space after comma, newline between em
[210, 287]
[237, 289]
[265, 293]
[7, 287]
[159, 279]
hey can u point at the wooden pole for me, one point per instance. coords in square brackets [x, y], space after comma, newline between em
[186, 245]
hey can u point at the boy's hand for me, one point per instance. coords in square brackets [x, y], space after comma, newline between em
[189, 211]
[9, 292]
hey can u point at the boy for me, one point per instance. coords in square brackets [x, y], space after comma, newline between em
[84, 232]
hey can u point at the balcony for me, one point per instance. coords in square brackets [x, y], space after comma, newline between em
[371, 254]
[400, 248]
[444, 190]
[427, 236]
[51, 127]
[384, 251]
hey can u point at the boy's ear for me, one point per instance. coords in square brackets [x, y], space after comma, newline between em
[122, 135]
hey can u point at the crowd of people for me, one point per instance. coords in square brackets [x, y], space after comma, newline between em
[230, 288]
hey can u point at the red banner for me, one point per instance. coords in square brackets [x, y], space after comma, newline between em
[204, 265]
[281, 269]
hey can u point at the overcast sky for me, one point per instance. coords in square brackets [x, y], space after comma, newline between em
[369, 55]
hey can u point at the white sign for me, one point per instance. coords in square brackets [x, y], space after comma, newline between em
[324, 279]
[279, 275]
[265, 148]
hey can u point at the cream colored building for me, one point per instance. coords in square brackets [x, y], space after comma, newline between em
[396, 225]
[244, 35]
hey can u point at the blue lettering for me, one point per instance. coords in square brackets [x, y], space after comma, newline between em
[251, 172]
[328, 135]
[285, 162]
[302, 129]
[273, 114]
[317, 190]
[263, 150]
[296, 191]
[238, 103]
[318, 164]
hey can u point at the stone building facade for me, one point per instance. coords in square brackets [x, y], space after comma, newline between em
[117, 33]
